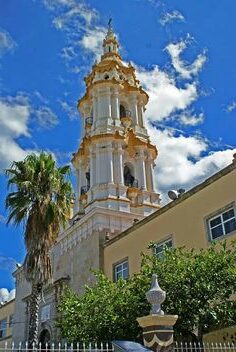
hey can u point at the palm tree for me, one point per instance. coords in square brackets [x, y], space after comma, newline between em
[41, 200]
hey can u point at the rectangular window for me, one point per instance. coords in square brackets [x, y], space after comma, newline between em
[121, 270]
[160, 247]
[45, 313]
[3, 328]
[222, 224]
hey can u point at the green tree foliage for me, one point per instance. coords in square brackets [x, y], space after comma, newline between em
[40, 198]
[199, 285]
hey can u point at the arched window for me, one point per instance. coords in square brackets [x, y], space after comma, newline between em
[122, 111]
[128, 177]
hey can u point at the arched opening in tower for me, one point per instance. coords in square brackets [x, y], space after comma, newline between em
[122, 111]
[129, 179]
[87, 175]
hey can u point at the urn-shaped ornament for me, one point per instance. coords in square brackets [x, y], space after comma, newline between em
[156, 296]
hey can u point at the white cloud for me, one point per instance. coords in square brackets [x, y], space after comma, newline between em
[169, 17]
[185, 69]
[40, 97]
[16, 115]
[231, 107]
[78, 22]
[14, 118]
[6, 42]
[188, 158]
[46, 117]
[189, 118]
[6, 296]
[165, 97]
[70, 110]
[7, 263]
[92, 41]
[2, 219]
[68, 53]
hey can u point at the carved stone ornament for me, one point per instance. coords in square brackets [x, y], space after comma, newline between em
[156, 296]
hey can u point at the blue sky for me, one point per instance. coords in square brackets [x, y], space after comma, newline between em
[184, 52]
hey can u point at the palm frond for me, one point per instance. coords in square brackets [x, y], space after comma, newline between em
[41, 198]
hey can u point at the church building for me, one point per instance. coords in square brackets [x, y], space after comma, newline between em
[116, 210]
[115, 187]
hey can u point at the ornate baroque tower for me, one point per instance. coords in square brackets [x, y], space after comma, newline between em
[114, 166]
[115, 160]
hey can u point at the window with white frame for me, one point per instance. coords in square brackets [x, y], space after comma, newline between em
[160, 247]
[121, 270]
[222, 224]
[45, 313]
[3, 328]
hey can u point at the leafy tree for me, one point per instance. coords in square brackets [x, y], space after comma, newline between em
[41, 200]
[101, 314]
[199, 285]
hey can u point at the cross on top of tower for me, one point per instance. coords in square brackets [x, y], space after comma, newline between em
[110, 43]
[109, 23]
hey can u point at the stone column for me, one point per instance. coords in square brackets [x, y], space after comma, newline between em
[77, 193]
[82, 176]
[109, 161]
[149, 174]
[94, 107]
[140, 115]
[115, 107]
[134, 109]
[118, 165]
[157, 327]
[92, 166]
[104, 106]
[97, 164]
[140, 169]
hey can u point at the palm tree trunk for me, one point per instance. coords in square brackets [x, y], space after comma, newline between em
[35, 299]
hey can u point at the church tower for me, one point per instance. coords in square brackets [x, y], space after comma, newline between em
[114, 168]
[115, 161]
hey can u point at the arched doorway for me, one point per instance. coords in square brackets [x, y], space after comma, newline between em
[45, 339]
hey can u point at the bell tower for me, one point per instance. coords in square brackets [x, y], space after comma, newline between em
[114, 169]
[114, 163]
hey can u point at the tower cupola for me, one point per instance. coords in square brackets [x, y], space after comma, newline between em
[115, 159]
[110, 43]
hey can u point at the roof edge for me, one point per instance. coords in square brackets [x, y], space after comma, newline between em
[174, 203]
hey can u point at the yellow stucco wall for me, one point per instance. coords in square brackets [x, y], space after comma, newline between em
[6, 311]
[227, 335]
[185, 222]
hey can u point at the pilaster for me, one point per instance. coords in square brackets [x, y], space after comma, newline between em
[134, 109]
[140, 168]
[115, 107]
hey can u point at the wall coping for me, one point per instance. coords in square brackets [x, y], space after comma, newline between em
[174, 203]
